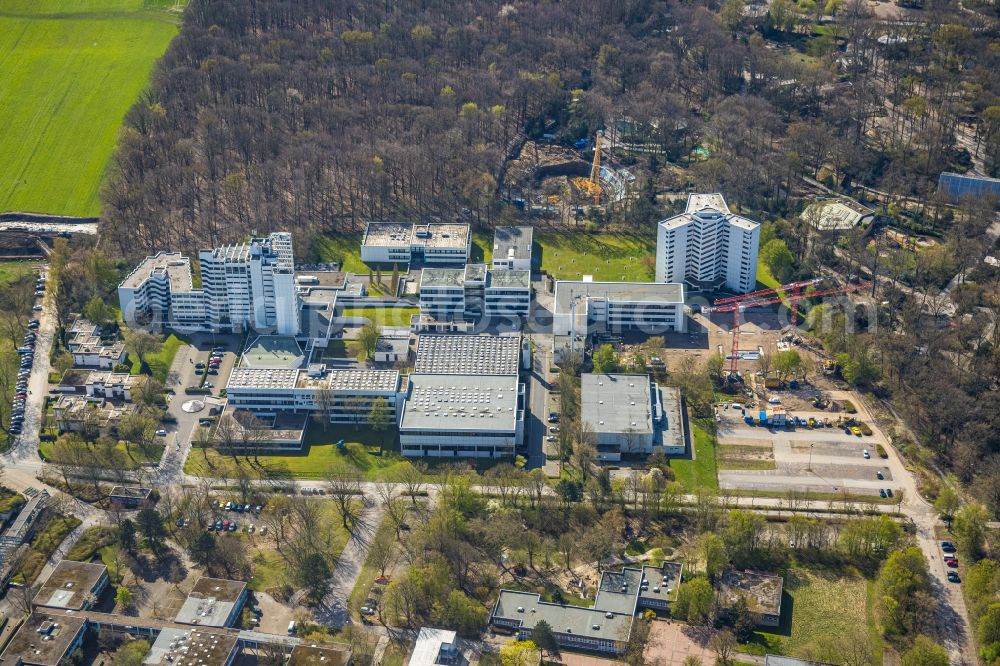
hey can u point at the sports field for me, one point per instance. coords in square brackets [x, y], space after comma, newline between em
[70, 71]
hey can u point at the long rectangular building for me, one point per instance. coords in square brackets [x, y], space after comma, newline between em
[584, 307]
[405, 242]
[346, 396]
[452, 416]
[604, 627]
[444, 354]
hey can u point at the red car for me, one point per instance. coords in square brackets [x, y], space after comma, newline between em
[225, 524]
[952, 562]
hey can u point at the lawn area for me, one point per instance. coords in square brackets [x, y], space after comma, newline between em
[10, 271]
[608, 257]
[318, 456]
[816, 606]
[270, 570]
[150, 455]
[345, 249]
[43, 545]
[765, 279]
[382, 316]
[160, 362]
[72, 69]
[700, 472]
[482, 247]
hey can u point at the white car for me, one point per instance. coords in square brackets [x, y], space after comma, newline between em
[161, 433]
[866, 454]
[774, 401]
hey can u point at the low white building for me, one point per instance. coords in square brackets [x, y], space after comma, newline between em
[84, 343]
[435, 647]
[112, 385]
[584, 307]
[462, 416]
[468, 354]
[512, 248]
[405, 242]
[622, 411]
[393, 346]
[346, 396]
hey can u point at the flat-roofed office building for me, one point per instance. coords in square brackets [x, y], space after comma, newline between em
[456, 416]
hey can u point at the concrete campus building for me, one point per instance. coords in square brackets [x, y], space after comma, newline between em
[604, 627]
[630, 414]
[449, 294]
[464, 398]
[245, 286]
[405, 242]
[72, 586]
[213, 602]
[512, 248]
[456, 376]
[584, 307]
[708, 247]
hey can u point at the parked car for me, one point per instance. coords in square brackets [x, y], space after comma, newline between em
[554, 429]
[888, 491]
[550, 438]
[36, 308]
[855, 430]
[953, 577]
[948, 546]
[866, 454]
[218, 524]
[881, 492]
[161, 433]
[199, 366]
[232, 526]
[225, 524]
[878, 475]
[952, 562]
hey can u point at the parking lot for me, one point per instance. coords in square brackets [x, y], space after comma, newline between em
[823, 459]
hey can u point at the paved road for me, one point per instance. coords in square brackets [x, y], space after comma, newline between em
[25, 447]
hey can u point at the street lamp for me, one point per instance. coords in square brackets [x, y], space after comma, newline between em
[811, 445]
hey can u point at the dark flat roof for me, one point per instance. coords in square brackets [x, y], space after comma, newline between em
[27, 643]
[69, 584]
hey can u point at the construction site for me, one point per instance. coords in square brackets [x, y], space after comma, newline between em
[564, 183]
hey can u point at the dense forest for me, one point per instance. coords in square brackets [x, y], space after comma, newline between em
[316, 116]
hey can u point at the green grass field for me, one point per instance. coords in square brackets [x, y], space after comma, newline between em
[160, 362]
[817, 605]
[702, 471]
[10, 271]
[71, 70]
[345, 249]
[382, 316]
[608, 257]
[318, 456]
[149, 456]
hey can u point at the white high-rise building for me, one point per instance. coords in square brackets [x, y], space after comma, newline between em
[246, 286]
[251, 285]
[708, 247]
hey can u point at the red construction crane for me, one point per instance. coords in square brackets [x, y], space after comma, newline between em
[791, 292]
